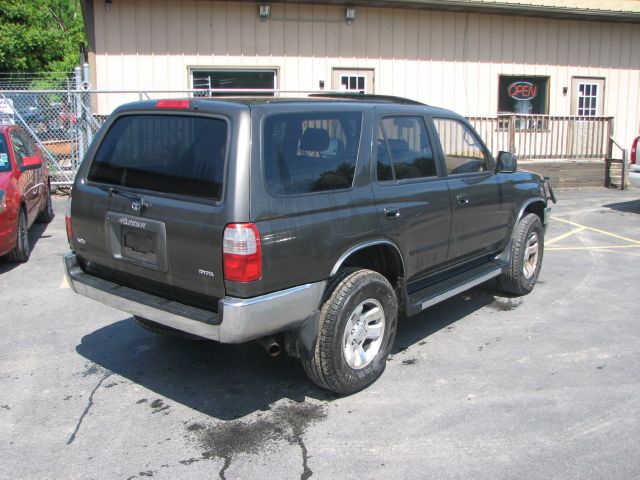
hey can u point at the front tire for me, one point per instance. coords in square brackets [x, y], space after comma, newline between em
[358, 324]
[527, 249]
[22, 250]
[46, 215]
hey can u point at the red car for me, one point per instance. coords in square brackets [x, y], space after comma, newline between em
[25, 195]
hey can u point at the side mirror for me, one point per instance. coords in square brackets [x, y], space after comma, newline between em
[31, 163]
[507, 162]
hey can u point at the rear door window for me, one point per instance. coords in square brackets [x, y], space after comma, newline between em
[175, 154]
[311, 152]
[404, 150]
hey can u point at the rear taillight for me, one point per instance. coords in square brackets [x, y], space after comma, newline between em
[634, 150]
[242, 253]
[67, 222]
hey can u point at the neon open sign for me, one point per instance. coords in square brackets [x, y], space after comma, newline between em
[522, 90]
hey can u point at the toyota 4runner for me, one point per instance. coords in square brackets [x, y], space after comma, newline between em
[310, 223]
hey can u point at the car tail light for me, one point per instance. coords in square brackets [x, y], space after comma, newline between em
[172, 104]
[634, 150]
[67, 222]
[242, 252]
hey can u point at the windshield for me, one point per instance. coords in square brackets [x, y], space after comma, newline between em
[176, 154]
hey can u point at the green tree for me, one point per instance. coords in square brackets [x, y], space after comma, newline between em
[40, 35]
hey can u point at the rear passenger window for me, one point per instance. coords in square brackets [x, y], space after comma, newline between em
[463, 152]
[176, 154]
[404, 150]
[310, 152]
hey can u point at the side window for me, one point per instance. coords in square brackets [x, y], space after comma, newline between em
[19, 147]
[463, 152]
[404, 149]
[311, 151]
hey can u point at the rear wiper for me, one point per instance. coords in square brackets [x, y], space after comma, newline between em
[139, 203]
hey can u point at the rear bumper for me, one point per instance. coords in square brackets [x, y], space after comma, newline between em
[237, 320]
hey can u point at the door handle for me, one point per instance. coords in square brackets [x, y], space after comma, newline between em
[462, 199]
[392, 212]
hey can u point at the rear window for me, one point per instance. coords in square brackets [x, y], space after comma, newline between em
[175, 154]
[311, 152]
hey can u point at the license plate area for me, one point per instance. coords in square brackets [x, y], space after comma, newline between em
[137, 240]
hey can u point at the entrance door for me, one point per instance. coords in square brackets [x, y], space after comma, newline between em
[357, 81]
[587, 101]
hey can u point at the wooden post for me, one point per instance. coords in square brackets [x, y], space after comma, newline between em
[512, 134]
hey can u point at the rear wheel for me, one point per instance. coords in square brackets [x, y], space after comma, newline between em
[163, 330]
[358, 324]
[527, 249]
[22, 250]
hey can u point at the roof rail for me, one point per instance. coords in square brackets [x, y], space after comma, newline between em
[366, 96]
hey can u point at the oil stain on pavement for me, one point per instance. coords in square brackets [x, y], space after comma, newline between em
[226, 440]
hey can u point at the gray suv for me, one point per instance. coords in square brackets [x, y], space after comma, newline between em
[307, 224]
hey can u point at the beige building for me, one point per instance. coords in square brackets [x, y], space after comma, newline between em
[479, 58]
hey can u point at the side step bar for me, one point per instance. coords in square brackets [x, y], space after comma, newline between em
[450, 287]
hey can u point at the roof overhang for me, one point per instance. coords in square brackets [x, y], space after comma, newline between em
[488, 7]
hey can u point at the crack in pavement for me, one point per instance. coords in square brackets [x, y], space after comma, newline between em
[87, 408]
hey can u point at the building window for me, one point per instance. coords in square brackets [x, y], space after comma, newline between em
[237, 79]
[355, 81]
[523, 95]
[589, 95]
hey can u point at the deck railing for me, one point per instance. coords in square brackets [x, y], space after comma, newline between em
[545, 136]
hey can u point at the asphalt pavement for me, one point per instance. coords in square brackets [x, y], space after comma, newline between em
[481, 386]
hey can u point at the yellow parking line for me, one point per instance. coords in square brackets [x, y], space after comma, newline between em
[608, 247]
[563, 236]
[64, 283]
[604, 232]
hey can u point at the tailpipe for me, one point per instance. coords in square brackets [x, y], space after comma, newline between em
[271, 345]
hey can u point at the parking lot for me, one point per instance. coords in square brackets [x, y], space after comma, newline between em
[480, 386]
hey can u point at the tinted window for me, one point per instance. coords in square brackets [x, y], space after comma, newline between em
[21, 147]
[311, 152]
[404, 149]
[462, 150]
[5, 163]
[165, 153]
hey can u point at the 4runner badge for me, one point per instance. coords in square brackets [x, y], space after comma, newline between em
[132, 223]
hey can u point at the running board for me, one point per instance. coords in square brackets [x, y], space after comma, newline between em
[450, 287]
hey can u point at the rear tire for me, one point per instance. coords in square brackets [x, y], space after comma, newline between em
[22, 250]
[527, 249]
[358, 322]
[47, 214]
[165, 331]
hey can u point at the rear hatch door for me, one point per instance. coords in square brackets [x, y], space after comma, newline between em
[151, 202]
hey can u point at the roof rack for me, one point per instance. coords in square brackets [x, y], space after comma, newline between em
[366, 96]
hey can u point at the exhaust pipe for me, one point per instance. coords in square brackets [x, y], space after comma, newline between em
[271, 345]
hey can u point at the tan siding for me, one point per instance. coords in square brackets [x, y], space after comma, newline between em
[447, 59]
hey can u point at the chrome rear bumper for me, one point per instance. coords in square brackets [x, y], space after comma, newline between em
[237, 320]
